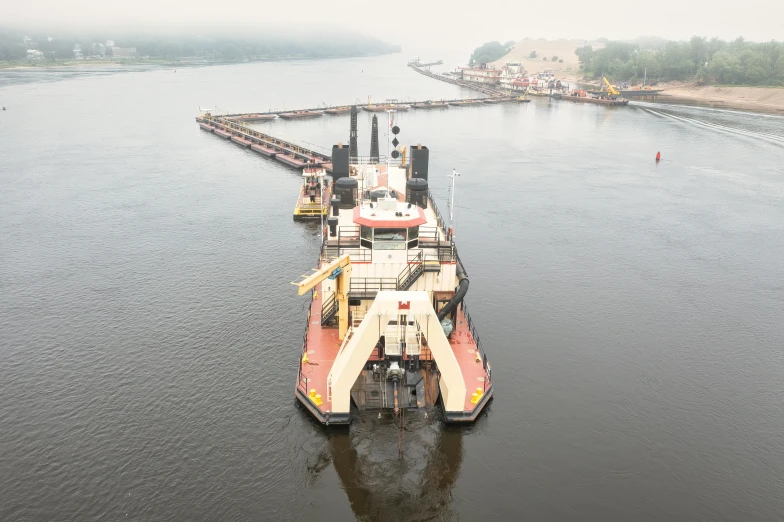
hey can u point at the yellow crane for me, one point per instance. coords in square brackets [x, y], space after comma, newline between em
[340, 271]
[611, 90]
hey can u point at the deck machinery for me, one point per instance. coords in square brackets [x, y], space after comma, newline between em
[387, 327]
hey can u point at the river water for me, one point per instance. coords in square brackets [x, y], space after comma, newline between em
[149, 336]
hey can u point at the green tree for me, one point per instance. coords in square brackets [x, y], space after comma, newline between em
[489, 52]
[532, 54]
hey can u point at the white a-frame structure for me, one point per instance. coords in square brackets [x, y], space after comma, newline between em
[389, 306]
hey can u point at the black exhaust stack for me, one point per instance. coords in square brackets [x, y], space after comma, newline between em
[420, 157]
[374, 140]
[339, 161]
[352, 134]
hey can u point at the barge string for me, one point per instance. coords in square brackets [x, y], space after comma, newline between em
[234, 127]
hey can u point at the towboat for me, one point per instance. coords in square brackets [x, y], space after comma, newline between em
[388, 328]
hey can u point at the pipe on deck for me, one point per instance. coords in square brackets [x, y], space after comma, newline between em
[462, 290]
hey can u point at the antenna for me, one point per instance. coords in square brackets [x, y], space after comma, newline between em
[452, 192]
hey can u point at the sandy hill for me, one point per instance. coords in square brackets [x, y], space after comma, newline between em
[563, 49]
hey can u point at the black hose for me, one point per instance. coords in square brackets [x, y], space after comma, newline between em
[462, 290]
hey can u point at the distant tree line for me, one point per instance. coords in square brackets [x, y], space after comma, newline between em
[13, 47]
[705, 61]
[490, 52]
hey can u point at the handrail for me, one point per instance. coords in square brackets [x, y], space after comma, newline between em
[327, 307]
[471, 327]
[428, 233]
[300, 379]
[348, 233]
[370, 286]
[357, 254]
[439, 219]
[413, 264]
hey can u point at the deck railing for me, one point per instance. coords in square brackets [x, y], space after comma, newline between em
[429, 234]
[345, 242]
[302, 382]
[471, 327]
[439, 219]
[368, 287]
[477, 342]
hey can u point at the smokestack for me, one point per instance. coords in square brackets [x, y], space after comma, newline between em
[352, 140]
[374, 140]
[339, 162]
[420, 156]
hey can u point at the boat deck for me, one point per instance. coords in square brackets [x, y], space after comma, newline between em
[322, 346]
[304, 209]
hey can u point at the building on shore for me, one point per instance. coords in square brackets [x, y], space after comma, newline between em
[124, 52]
[481, 74]
[33, 54]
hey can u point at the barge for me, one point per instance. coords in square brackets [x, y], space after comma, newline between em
[300, 115]
[313, 198]
[430, 105]
[250, 118]
[388, 105]
[388, 327]
[338, 110]
[582, 97]
[463, 103]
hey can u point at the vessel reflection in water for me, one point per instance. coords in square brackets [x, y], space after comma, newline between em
[383, 485]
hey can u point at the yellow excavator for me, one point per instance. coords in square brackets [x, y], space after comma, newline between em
[612, 92]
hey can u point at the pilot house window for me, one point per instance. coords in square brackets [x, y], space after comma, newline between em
[389, 238]
[366, 236]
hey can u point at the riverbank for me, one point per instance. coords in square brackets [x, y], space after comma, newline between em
[756, 99]
[768, 100]
[53, 64]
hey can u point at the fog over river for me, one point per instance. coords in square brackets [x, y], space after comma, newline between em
[149, 336]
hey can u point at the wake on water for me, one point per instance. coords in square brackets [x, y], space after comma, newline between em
[671, 112]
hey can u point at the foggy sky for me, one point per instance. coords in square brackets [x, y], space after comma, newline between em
[424, 24]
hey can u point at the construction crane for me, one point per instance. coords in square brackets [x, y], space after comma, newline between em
[338, 270]
[611, 90]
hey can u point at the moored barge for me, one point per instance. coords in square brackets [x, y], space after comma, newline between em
[313, 198]
[580, 96]
[300, 115]
[430, 105]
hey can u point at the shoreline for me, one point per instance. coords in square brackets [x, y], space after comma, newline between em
[8, 66]
[763, 100]
[768, 100]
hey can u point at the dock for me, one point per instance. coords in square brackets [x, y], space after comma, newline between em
[418, 63]
[484, 89]
[233, 127]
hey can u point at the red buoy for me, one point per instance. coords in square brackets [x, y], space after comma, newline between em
[658, 156]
